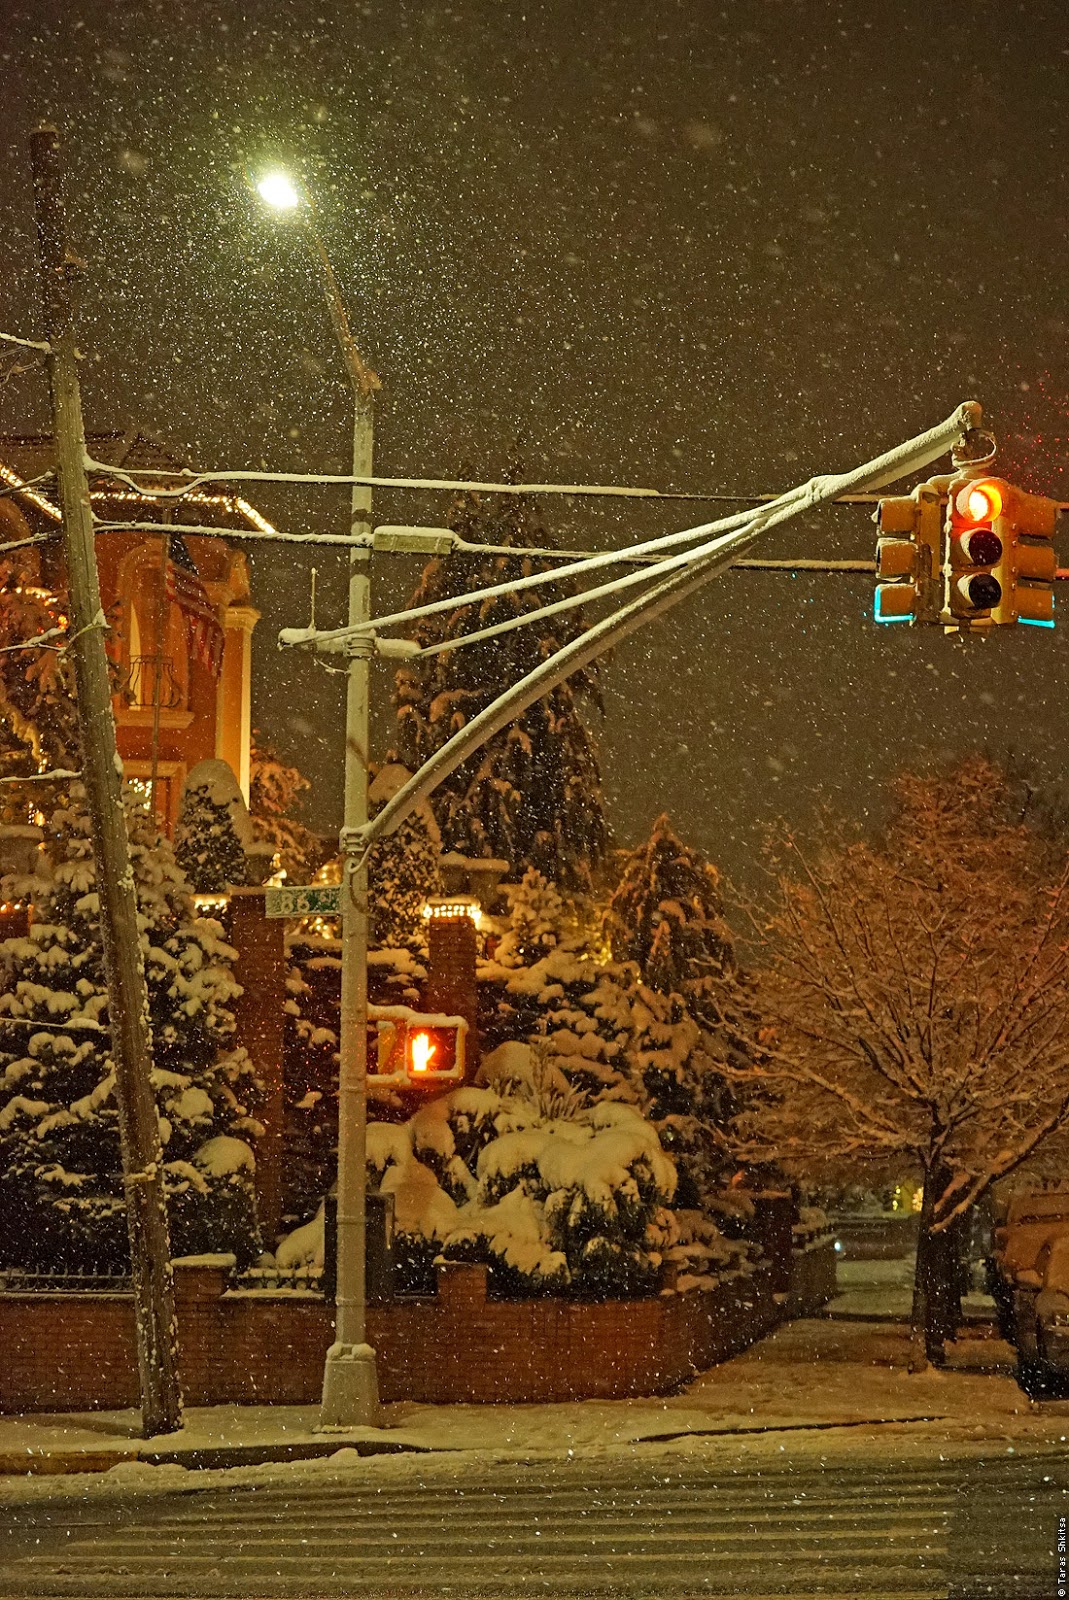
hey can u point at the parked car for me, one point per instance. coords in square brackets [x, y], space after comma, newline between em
[1041, 1321]
[1030, 1221]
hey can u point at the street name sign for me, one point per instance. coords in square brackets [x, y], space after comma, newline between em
[311, 900]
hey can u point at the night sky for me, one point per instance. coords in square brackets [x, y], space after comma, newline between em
[674, 244]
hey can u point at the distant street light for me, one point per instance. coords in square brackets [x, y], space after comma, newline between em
[350, 1383]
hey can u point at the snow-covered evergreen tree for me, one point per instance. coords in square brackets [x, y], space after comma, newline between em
[213, 832]
[276, 795]
[614, 1038]
[61, 1194]
[535, 922]
[403, 872]
[666, 914]
[532, 795]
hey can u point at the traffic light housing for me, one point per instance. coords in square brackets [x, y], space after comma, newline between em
[408, 1049]
[1001, 563]
[909, 556]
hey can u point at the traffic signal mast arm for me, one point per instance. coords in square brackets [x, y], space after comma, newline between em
[701, 566]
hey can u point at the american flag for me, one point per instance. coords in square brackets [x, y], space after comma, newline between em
[203, 631]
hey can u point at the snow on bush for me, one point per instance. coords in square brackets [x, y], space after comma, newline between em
[611, 1038]
[310, 1055]
[556, 1195]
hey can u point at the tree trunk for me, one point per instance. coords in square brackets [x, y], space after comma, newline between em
[935, 1281]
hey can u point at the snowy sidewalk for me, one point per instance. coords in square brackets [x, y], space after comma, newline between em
[818, 1374]
[882, 1291]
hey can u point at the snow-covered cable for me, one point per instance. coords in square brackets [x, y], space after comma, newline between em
[192, 480]
[26, 344]
[337, 636]
[21, 544]
[43, 777]
[250, 535]
[604, 635]
[39, 641]
[571, 602]
[59, 1027]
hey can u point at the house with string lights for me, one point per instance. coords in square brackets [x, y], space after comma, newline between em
[178, 603]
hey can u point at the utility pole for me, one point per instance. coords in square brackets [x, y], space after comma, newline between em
[131, 1045]
[350, 1381]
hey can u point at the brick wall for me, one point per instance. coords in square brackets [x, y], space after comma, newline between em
[452, 947]
[76, 1352]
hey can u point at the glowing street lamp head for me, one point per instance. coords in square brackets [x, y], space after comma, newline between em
[278, 191]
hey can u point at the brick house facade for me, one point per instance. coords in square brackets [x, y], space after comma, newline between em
[199, 716]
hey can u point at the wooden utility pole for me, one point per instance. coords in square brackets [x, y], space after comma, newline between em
[124, 968]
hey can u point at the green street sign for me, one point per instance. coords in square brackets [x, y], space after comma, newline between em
[311, 900]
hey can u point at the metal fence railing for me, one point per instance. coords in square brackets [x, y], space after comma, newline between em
[16, 1282]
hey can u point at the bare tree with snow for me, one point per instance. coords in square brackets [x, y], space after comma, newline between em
[917, 1000]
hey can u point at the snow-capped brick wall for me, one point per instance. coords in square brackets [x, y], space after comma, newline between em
[76, 1352]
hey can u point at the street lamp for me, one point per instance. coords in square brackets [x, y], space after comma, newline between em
[350, 1384]
[278, 191]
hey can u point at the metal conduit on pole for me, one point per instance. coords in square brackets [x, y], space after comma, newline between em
[150, 1254]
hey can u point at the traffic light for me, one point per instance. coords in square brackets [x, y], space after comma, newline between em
[409, 1049]
[975, 549]
[1000, 559]
[909, 556]
[435, 1052]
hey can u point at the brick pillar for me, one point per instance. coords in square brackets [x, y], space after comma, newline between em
[259, 1013]
[452, 948]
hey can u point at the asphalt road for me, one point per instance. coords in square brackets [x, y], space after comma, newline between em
[607, 1524]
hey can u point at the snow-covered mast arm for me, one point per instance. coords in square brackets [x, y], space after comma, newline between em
[702, 566]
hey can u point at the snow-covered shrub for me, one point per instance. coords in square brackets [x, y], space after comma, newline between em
[611, 1037]
[61, 1195]
[554, 1204]
[310, 1056]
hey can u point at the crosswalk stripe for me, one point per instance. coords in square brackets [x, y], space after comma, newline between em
[459, 1505]
[395, 1564]
[701, 1516]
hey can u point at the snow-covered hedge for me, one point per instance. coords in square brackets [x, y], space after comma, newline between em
[556, 1195]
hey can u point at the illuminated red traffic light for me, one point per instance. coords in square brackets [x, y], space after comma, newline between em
[979, 502]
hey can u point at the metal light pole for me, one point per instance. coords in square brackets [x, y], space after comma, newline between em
[350, 1382]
